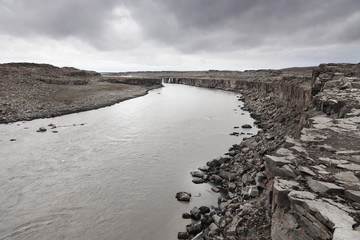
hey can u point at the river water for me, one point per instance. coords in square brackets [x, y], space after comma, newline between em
[113, 173]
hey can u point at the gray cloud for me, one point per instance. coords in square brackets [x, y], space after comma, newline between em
[200, 25]
[202, 28]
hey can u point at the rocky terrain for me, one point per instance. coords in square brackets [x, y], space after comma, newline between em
[29, 91]
[298, 178]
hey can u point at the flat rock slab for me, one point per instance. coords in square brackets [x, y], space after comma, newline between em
[330, 215]
[324, 187]
[350, 166]
[306, 170]
[342, 234]
[353, 195]
[277, 161]
[346, 177]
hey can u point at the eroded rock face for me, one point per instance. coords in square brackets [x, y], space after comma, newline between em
[298, 178]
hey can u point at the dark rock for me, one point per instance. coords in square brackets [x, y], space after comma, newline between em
[198, 180]
[12, 140]
[183, 235]
[183, 196]
[204, 209]
[195, 213]
[197, 174]
[246, 126]
[194, 228]
[42, 129]
[204, 168]
[206, 221]
[232, 153]
[186, 215]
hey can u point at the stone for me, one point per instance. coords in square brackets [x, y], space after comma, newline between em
[204, 168]
[232, 153]
[194, 228]
[330, 215]
[230, 176]
[315, 228]
[346, 177]
[252, 191]
[287, 171]
[350, 166]
[281, 189]
[204, 209]
[199, 236]
[195, 213]
[223, 206]
[215, 162]
[183, 196]
[197, 174]
[306, 170]
[183, 235]
[206, 221]
[246, 126]
[232, 187]
[276, 161]
[348, 234]
[42, 129]
[186, 215]
[353, 195]
[214, 229]
[198, 180]
[324, 187]
[215, 189]
[216, 219]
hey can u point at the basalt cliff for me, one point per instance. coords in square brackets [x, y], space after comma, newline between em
[299, 177]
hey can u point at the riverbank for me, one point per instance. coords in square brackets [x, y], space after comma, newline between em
[29, 91]
[299, 177]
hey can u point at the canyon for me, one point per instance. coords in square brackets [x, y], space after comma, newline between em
[298, 178]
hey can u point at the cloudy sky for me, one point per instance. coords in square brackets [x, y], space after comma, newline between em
[124, 35]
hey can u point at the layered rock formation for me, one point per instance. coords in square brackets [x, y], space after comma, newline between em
[299, 177]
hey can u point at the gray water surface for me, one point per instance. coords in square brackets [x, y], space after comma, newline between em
[113, 173]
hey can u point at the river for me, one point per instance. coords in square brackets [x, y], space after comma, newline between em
[113, 173]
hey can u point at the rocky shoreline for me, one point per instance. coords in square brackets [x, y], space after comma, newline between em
[298, 178]
[29, 91]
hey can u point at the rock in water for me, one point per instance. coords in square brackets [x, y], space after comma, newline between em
[42, 129]
[195, 213]
[183, 235]
[246, 126]
[204, 209]
[183, 196]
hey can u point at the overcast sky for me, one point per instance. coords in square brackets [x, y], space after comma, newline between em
[122, 35]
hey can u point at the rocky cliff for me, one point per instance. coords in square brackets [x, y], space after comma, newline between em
[299, 177]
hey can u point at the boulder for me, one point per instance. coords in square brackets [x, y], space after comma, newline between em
[197, 174]
[183, 196]
[198, 180]
[194, 228]
[183, 235]
[204, 209]
[246, 126]
[195, 213]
